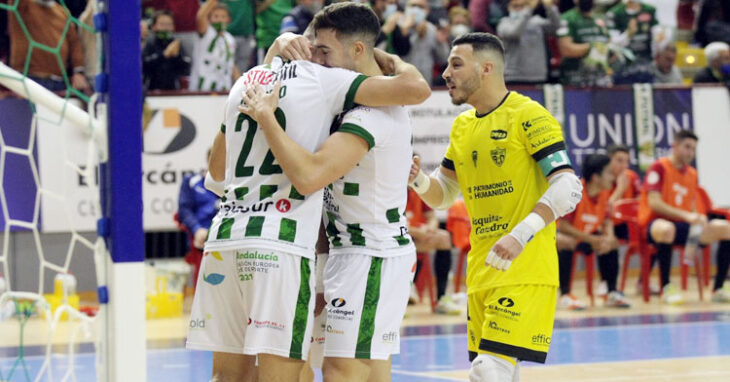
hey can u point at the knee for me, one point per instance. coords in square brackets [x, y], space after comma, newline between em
[489, 368]
[334, 369]
[663, 232]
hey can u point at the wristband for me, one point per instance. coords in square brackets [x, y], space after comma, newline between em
[420, 183]
[527, 228]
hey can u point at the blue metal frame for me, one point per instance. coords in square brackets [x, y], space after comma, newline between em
[122, 175]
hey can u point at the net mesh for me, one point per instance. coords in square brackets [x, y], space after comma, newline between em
[25, 193]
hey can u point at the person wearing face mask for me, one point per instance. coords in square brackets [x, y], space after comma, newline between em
[523, 33]
[583, 42]
[391, 38]
[45, 21]
[297, 20]
[633, 25]
[242, 28]
[663, 69]
[163, 58]
[215, 49]
[718, 64]
[459, 22]
[429, 44]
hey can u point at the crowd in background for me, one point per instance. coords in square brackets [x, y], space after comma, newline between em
[204, 46]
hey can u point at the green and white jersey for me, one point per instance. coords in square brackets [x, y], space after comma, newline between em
[260, 207]
[582, 29]
[365, 209]
[618, 19]
[213, 61]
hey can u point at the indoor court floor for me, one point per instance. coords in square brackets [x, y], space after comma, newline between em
[649, 342]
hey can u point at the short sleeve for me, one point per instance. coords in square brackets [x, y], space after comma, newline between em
[564, 29]
[448, 161]
[654, 177]
[543, 139]
[339, 87]
[366, 123]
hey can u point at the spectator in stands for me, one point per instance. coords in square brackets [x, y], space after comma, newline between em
[632, 25]
[185, 14]
[590, 225]
[429, 44]
[523, 33]
[713, 22]
[583, 42]
[45, 21]
[429, 237]
[163, 58]
[718, 64]
[663, 69]
[213, 58]
[669, 207]
[297, 20]
[392, 39]
[485, 14]
[242, 30]
[459, 22]
[269, 14]
[439, 12]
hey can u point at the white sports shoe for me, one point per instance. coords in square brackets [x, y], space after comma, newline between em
[447, 306]
[722, 295]
[570, 302]
[617, 299]
[671, 295]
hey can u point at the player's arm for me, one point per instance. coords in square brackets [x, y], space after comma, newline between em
[440, 189]
[567, 46]
[308, 172]
[406, 86]
[402, 83]
[657, 204]
[217, 161]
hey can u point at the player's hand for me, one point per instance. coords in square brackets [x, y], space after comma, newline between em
[257, 103]
[386, 61]
[696, 218]
[622, 182]
[199, 238]
[294, 47]
[504, 251]
[319, 304]
[78, 81]
[415, 168]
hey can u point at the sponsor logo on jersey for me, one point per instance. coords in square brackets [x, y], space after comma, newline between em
[232, 208]
[493, 189]
[498, 155]
[267, 324]
[541, 339]
[390, 337]
[283, 205]
[506, 302]
[493, 325]
[338, 302]
[199, 323]
[213, 278]
[489, 224]
[214, 254]
[498, 135]
[332, 330]
[529, 123]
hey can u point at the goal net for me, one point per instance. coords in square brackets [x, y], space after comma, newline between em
[59, 191]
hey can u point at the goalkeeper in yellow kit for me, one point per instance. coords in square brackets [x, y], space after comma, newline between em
[508, 158]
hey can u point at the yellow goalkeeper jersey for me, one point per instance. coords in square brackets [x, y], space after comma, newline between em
[502, 160]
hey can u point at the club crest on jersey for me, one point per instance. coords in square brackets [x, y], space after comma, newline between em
[474, 157]
[498, 155]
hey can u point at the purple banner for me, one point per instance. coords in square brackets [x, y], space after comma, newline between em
[18, 184]
[672, 113]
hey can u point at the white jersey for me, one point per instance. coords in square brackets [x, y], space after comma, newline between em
[365, 209]
[213, 61]
[260, 207]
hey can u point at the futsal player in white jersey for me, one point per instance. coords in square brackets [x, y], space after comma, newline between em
[366, 160]
[255, 289]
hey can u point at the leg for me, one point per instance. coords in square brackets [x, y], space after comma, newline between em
[719, 230]
[344, 370]
[565, 263]
[233, 367]
[273, 368]
[662, 232]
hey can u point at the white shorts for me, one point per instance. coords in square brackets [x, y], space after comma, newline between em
[366, 300]
[251, 301]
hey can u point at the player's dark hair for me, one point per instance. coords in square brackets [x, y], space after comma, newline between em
[594, 165]
[617, 148]
[349, 20]
[160, 13]
[481, 41]
[684, 134]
